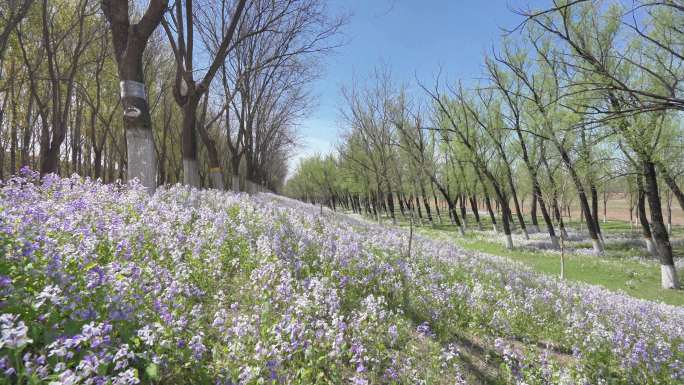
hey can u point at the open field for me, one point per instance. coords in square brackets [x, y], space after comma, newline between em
[617, 210]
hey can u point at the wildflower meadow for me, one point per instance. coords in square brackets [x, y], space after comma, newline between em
[103, 284]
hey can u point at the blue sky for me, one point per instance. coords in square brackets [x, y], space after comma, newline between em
[414, 39]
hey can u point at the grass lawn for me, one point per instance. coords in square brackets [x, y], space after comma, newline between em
[639, 279]
[618, 270]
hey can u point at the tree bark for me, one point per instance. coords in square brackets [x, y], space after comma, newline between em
[129, 43]
[584, 203]
[533, 213]
[26, 135]
[516, 202]
[215, 173]
[390, 206]
[476, 213]
[643, 220]
[672, 184]
[668, 271]
[462, 205]
[492, 216]
[426, 203]
[189, 143]
[595, 208]
[434, 198]
[450, 203]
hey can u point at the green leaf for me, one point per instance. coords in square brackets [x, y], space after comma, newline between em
[152, 371]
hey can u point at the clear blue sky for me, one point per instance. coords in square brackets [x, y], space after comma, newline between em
[414, 38]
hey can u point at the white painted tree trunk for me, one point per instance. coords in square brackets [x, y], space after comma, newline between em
[554, 242]
[461, 229]
[216, 177]
[191, 172]
[142, 158]
[525, 234]
[668, 277]
[235, 181]
[496, 231]
[509, 241]
[598, 247]
[650, 246]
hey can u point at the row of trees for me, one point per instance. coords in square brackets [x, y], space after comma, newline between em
[233, 73]
[581, 94]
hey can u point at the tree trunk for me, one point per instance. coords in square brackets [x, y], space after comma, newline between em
[505, 215]
[26, 135]
[537, 196]
[492, 216]
[595, 208]
[129, 43]
[476, 213]
[401, 204]
[643, 220]
[462, 205]
[14, 137]
[434, 198]
[668, 200]
[390, 206]
[189, 143]
[516, 202]
[662, 240]
[554, 203]
[121, 163]
[420, 212]
[451, 205]
[426, 203]
[142, 157]
[76, 137]
[605, 205]
[533, 213]
[97, 163]
[672, 184]
[50, 162]
[215, 173]
[584, 203]
[454, 214]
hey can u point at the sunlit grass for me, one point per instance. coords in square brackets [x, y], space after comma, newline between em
[622, 268]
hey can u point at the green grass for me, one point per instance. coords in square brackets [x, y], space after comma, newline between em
[640, 279]
[617, 270]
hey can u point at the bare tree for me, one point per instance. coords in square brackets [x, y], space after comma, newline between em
[62, 43]
[187, 91]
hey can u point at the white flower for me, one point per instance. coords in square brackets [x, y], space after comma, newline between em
[128, 377]
[14, 336]
[50, 293]
[147, 335]
[66, 378]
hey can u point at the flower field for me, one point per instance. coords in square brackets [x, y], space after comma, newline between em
[102, 284]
